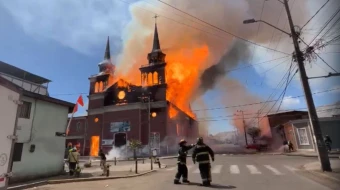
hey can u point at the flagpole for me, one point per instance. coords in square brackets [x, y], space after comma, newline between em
[69, 122]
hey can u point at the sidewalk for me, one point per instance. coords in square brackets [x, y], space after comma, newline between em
[91, 174]
[312, 154]
[315, 169]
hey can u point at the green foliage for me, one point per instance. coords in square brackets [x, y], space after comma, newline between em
[135, 144]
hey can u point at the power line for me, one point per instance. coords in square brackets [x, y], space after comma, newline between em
[279, 85]
[312, 50]
[264, 102]
[288, 81]
[228, 71]
[315, 14]
[326, 24]
[207, 119]
[222, 29]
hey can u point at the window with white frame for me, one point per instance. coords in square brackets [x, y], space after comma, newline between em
[303, 137]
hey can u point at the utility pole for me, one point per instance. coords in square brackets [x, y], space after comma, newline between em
[313, 117]
[258, 118]
[244, 127]
[149, 131]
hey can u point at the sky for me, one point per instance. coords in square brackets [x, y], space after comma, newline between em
[65, 40]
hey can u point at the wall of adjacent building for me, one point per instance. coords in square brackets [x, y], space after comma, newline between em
[329, 126]
[39, 130]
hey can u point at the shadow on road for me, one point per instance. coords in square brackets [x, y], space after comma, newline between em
[214, 186]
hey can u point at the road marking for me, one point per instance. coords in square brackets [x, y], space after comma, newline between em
[196, 171]
[234, 169]
[217, 169]
[189, 167]
[275, 171]
[290, 168]
[253, 169]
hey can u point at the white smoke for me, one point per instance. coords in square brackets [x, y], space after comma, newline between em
[117, 152]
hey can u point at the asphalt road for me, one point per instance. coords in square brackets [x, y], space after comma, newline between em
[242, 172]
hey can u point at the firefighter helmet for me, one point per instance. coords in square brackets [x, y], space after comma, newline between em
[182, 141]
[199, 140]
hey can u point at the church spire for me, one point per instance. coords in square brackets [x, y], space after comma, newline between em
[156, 45]
[107, 55]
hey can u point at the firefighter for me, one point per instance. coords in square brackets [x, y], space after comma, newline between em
[73, 160]
[201, 155]
[182, 170]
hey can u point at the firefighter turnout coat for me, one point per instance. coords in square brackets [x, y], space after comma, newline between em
[182, 154]
[201, 154]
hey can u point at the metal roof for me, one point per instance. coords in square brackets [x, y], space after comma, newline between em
[288, 112]
[21, 74]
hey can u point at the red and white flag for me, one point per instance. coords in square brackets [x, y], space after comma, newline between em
[80, 101]
[75, 109]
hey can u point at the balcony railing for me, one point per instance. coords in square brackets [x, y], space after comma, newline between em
[29, 86]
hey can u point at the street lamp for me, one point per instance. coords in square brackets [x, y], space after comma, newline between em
[250, 21]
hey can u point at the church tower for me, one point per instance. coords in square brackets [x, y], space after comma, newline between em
[100, 81]
[153, 74]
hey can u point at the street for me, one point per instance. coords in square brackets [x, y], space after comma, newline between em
[241, 172]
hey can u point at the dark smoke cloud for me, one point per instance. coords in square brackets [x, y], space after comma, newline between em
[210, 76]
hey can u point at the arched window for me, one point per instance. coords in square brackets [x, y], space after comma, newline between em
[150, 79]
[155, 78]
[100, 86]
[96, 87]
[78, 126]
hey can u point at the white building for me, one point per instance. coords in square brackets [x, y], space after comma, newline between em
[38, 152]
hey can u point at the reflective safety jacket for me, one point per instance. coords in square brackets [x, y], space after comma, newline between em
[182, 154]
[201, 154]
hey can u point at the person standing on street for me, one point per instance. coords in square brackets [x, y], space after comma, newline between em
[201, 155]
[328, 142]
[102, 161]
[73, 160]
[182, 170]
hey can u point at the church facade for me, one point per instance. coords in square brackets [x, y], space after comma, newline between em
[119, 111]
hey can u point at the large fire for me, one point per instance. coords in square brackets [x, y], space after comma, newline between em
[182, 74]
[94, 149]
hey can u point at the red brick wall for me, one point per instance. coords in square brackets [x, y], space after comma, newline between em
[77, 131]
[97, 103]
[127, 115]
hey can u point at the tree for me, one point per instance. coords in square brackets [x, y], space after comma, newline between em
[254, 132]
[134, 145]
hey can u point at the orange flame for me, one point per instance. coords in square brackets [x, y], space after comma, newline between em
[94, 146]
[182, 76]
[172, 112]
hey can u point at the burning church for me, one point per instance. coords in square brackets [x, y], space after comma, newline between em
[120, 111]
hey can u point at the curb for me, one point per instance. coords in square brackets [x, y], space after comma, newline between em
[29, 185]
[319, 174]
[46, 182]
[315, 156]
[95, 178]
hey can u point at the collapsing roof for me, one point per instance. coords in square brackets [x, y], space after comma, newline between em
[21, 74]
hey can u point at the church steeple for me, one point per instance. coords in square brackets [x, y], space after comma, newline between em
[107, 55]
[156, 45]
[156, 56]
[106, 66]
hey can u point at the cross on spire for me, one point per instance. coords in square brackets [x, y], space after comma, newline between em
[155, 17]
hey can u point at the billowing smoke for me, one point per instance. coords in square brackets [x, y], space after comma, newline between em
[213, 74]
[198, 55]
